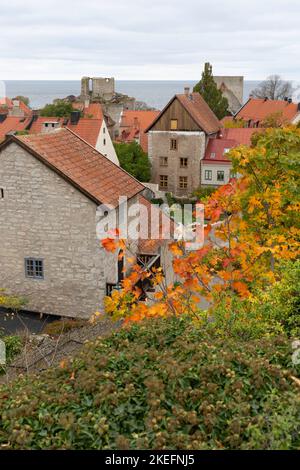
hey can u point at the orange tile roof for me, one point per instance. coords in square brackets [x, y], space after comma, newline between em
[12, 123]
[87, 128]
[199, 111]
[134, 124]
[230, 138]
[6, 105]
[258, 109]
[80, 164]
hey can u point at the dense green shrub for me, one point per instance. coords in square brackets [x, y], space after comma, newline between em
[13, 346]
[134, 160]
[160, 384]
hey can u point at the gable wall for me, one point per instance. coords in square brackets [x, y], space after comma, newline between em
[176, 111]
[43, 216]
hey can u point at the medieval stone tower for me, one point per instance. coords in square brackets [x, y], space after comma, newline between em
[97, 88]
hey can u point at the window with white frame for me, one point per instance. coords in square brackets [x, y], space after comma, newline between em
[208, 175]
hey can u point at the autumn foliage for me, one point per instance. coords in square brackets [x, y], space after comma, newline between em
[253, 224]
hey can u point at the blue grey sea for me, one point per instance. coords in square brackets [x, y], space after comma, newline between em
[156, 93]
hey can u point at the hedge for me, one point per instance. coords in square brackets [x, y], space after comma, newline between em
[160, 384]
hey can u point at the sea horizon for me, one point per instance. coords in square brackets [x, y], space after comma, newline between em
[155, 93]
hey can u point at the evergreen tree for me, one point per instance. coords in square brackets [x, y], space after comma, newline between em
[208, 89]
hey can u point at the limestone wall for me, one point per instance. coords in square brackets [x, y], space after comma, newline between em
[43, 216]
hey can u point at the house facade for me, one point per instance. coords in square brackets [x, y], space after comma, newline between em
[216, 168]
[177, 142]
[51, 187]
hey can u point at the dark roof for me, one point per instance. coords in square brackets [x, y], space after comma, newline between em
[199, 111]
[80, 164]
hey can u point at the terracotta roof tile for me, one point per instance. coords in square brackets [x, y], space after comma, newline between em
[258, 109]
[12, 123]
[216, 148]
[199, 111]
[134, 124]
[85, 167]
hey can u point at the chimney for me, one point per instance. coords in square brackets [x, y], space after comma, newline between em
[266, 98]
[187, 90]
[86, 103]
[285, 98]
[75, 116]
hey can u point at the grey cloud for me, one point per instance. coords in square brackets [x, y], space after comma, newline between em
[167, 37]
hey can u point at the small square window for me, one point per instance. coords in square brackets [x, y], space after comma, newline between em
[208, 175]
[174, 124]
[183, 163]
[173, 144]
[183, 182]
[163, 182]
[163, 161]
[34, 268]
[220, 175]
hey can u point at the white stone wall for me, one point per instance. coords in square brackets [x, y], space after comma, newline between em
[43, 216]
[214, 168]
[105, 146]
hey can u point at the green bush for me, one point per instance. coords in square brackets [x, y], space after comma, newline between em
[160, 384]
[134, 160]
[13, 347]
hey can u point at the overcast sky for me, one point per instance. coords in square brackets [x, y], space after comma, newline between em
[148, 39]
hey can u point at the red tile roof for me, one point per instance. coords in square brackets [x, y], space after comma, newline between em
[199, 111]
[258, 109]
[12, 123]
[134, 124]
[81, 165]
[216, 148]
[88, 128]
[6, 104]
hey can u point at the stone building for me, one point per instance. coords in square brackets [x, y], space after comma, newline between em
[177, 142]
[51, 187]
[233, 89]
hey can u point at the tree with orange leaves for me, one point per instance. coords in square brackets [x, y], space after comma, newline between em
[253, 225]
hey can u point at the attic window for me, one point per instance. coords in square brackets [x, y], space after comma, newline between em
[174, 124]
[226, 150]
[1, 193]
[213, 155]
